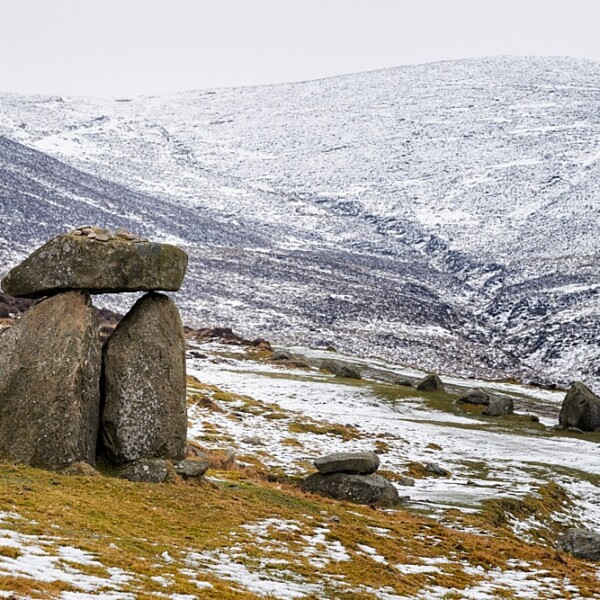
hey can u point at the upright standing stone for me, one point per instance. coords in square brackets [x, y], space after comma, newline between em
[580, 408]
[144, 412]
[49, 384]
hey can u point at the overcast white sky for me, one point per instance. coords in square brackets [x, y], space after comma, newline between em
[125, 47]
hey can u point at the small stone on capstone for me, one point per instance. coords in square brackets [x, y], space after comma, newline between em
[92, 235]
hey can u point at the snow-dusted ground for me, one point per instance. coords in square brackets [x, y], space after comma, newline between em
[486, 459]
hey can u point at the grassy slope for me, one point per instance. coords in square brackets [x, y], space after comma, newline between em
[292, 536]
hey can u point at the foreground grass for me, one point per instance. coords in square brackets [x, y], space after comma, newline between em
[153, 532]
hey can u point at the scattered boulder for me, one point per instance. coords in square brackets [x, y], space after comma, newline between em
[478, 396]
[281, 355]
[361, 463]
[435, 469]
[261, 344]
[153, 470]
[404, 480]
[431, 383]
[49, 392]
[253, 441]
[340, 369]
[581, 543]
[580, 408]
[86, 262]
[191, 469]
[144, 384]
[499, 406]
[360, 489]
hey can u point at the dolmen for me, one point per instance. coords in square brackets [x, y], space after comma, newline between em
[351, 476]
[64, 397]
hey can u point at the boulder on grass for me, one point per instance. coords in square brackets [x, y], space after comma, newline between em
[478, 396]
[144, 386]
[49, 384]
[499, 406]
[580, 408]
[431, 383]
[340, 369]
[360, 489]
[581, 543]
[79, 262]
[153, 470]
[191, 469]
[361, 463]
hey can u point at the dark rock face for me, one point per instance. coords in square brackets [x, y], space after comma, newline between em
[49, 384]
[360, 489]
[340, 369]
[475, 397]
[146, 471]
[431, 383]
[78, 262]
[362, 463]
[581, 543]
[144, 412]
[499, 406]
[580, 408]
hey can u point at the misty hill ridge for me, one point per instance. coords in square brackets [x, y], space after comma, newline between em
[442, 215]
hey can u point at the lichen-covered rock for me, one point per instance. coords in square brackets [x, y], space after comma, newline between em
[362, 463]
[431, 383]
[499, 406]
[80, 262]
[478, 396]
[154, 470]
[360, 489]
[50, 384]
[144, 413]
[192, 469]
[580, 408]
[581, 543]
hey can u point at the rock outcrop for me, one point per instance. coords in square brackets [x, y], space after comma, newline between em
[351, 477]
[144, 413]
[99, 262]
[49, 384]
[580, 408]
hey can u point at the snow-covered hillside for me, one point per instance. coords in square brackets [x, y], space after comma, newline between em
[441, 215]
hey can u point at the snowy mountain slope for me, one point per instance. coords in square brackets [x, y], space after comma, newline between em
[442, 214]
